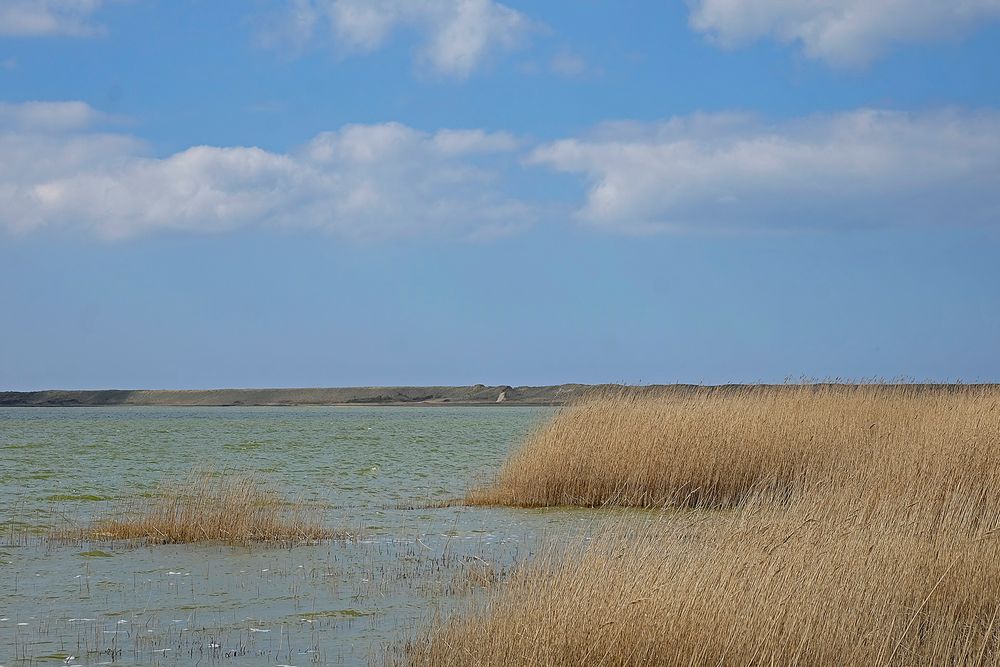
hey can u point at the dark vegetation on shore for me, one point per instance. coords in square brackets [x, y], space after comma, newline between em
[561, 394]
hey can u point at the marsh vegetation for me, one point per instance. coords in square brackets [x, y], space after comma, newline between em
[819, 526]
[209, 506]
[796, 525]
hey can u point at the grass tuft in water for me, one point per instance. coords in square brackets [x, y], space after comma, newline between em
[236, 508]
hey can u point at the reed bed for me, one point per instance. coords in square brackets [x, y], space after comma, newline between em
[800, 586]
[716, 449]
[862, 528]
[238, 508]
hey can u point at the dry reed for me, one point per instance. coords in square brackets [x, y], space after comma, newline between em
[235, 508]
[716, 449]
[761, 587]
[865, 530]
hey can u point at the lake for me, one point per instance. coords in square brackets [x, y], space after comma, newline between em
[379, 472]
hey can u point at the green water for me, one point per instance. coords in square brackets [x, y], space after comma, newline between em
[372, 470]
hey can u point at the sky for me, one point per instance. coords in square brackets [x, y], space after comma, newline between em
[292, 193]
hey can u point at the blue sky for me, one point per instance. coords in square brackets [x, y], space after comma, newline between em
[354, 192]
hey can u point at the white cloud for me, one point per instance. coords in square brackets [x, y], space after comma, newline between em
[457, 35]
[61, 168]
[51, 116]
[363, 181]
[41, 18]
[470, 142]
[840, 32]
[719, 171]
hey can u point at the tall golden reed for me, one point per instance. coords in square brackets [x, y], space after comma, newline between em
[863, 529]
[223, 507]
[714, 449]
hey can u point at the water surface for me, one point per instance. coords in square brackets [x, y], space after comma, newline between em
[375, 471]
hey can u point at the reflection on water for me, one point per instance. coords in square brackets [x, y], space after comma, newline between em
[373, 470]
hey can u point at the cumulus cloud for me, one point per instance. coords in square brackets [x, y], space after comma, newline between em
[41, 18]
[726, 171]
[362, 181]
[63, 168]
[840, 32]
[457, 35]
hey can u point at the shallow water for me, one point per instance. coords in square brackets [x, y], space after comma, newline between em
[373, 470]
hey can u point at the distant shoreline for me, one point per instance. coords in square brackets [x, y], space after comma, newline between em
[550, 395]
[342, 396]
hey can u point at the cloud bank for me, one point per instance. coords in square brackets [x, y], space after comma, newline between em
[43, 18]
[457, 36]
[733, 172]
[63, 168]
[361, 181]
[840, 32]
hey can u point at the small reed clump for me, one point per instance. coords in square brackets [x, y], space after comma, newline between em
[237, 508]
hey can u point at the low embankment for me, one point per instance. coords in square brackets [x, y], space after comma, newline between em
[811, 526]
[478, 394]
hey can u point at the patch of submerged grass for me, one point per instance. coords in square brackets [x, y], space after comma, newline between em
[236, 508]
[334, 613]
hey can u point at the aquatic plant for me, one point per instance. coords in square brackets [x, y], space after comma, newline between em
[225, 507]
[861, 526]
[825, 581]
[717, 448]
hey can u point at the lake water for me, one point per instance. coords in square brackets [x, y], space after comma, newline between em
[374, 471]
